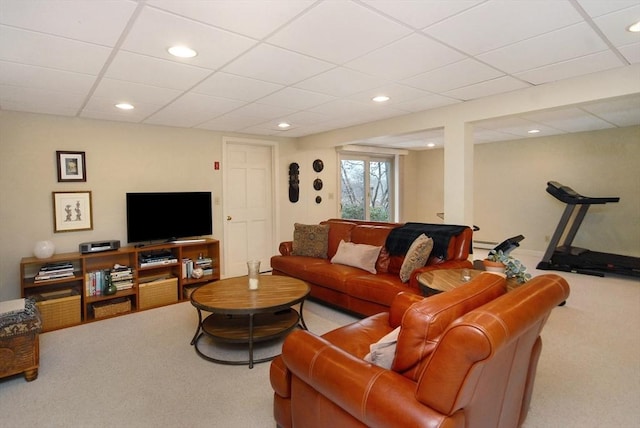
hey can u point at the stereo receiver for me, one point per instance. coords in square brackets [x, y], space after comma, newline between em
[97, 246]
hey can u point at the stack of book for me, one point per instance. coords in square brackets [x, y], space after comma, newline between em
[204, 263]
[122, 277]
[55, 270]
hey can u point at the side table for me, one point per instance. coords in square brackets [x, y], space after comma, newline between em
[436, 281]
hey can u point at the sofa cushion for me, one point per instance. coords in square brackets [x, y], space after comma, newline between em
[362, 256]
[424, 322]
[310, 240]
[416, 257]
[380, 288]
[383, 351]
[339, 230]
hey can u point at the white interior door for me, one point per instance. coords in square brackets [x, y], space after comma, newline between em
[249, 223]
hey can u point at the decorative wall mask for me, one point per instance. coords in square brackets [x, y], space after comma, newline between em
[317, 184]
[318, 165]
[294, 182]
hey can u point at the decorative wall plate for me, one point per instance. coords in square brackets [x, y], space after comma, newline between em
[318, 165]
[317, 184]
[318, 199]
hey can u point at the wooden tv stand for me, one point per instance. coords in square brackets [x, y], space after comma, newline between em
[78, 298]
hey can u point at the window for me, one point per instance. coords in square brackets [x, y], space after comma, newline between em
[366, 190]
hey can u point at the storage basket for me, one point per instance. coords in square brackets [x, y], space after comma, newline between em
[59, 309]
[158, 293]
[111, 307]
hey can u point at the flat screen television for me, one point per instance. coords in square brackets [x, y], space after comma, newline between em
[168, 216]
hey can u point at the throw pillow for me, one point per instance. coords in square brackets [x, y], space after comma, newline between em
[362, 256]
[416, 257]
[310, 240]
[383, 351]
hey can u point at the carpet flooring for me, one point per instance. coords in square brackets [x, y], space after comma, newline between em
[140, 370]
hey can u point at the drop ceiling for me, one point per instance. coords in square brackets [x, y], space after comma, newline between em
[313, 64]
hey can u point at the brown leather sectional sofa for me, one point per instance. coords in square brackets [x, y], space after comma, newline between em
[361, 292]
[463, 358]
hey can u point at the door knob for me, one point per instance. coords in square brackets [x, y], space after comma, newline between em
[229, 218]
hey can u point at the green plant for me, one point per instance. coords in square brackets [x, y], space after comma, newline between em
[513, 267]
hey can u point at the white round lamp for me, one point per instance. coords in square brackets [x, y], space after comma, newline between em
[44, 249]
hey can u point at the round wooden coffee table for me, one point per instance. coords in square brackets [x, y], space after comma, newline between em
[240, 315]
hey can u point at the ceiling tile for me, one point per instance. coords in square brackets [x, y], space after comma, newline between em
[104, 108]
[631, 52]
[28, 47]
[407, 57]
[39, 100]
[569, 120]
[497, 23]
[340, 82]
[230, 86]
[29, 76]
[215, 47]
[486, 88]
[99, 22]
[574, 67]
[276, 65]
[600, 7]
[425, 103]
[614, 26]
[256, 19]
[230, 122]
[570, 42]
[134, 93]
[154, 72]
[397, 94]
[452, 76]
[620, 112]
[263, 111]
[295, 98]
[421, 13]
[192, 109]
[338, 31]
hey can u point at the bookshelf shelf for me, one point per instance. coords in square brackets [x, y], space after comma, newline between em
[89, 271]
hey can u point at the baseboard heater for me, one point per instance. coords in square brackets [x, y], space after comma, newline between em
[484, 245]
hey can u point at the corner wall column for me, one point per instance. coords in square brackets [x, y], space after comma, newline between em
[458, 173]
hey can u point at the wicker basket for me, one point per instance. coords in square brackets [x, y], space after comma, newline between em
[158, 293]
[111, 307]
[59, 309]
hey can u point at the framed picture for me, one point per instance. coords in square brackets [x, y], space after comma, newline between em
[71, 166]
[72, 211]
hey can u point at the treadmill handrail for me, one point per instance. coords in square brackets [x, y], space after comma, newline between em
[569, 196]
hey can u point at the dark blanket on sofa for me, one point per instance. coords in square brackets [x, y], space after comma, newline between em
[400, 238]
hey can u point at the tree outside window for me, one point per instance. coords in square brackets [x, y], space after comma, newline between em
[366, 196]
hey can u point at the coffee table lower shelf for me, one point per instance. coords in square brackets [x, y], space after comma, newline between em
[246, 328]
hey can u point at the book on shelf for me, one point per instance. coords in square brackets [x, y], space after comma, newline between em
[96, 281]
[56, 266]
[55, 270]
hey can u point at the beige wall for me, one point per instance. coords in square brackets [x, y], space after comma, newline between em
[120, 158]
[510, 195]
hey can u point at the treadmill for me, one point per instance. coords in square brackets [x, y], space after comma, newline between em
[580, 260]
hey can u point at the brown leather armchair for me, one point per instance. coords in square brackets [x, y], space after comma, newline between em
[464, 358]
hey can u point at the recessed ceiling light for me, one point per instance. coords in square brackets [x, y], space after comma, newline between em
[634, 28]
[431, 145]
[182, 52]
[125, 106]
[533, 131]
[380, 98]
[284, 125]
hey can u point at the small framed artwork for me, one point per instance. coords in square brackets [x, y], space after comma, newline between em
[71, 166]
[72, 211]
